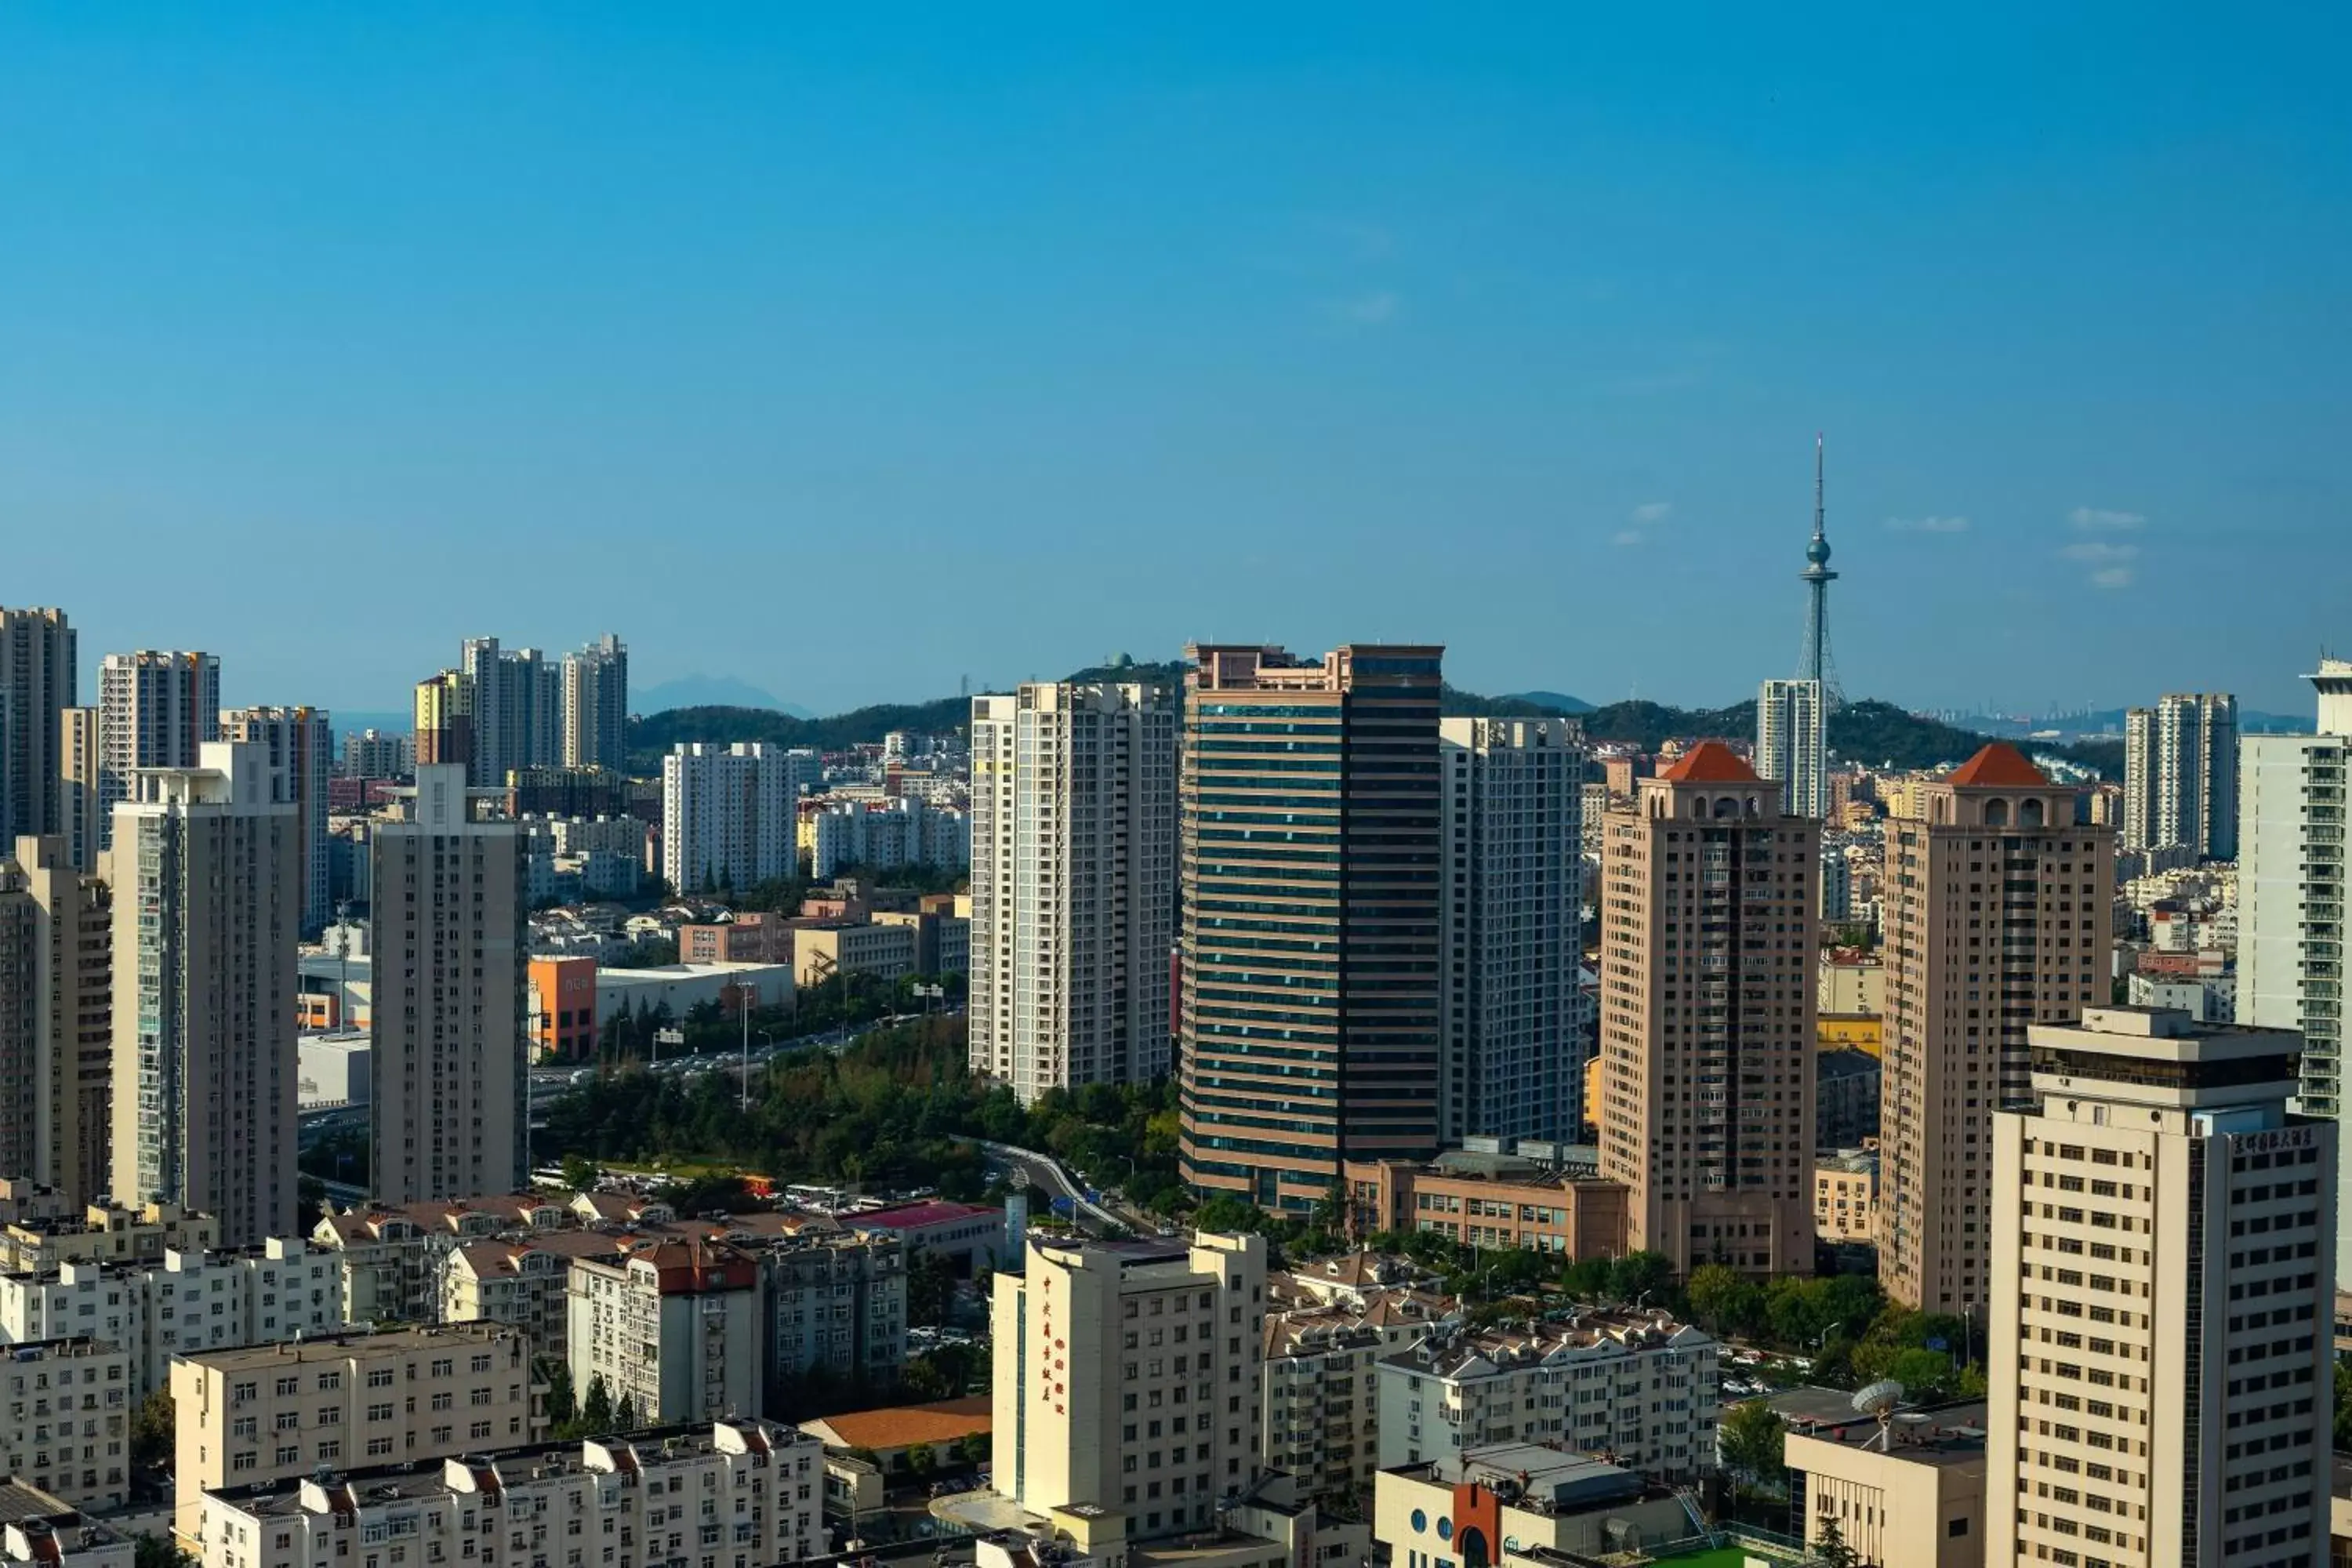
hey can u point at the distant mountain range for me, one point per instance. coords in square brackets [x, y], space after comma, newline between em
[1877, 733]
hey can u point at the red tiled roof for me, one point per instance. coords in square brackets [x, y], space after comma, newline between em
[904, 1426]
[2000, 765]
[1709, 762]
[911, 1214]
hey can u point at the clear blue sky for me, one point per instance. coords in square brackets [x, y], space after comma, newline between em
[848, 350]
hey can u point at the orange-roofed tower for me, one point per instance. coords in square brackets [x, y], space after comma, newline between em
[1707, 1015]
[1999, 913]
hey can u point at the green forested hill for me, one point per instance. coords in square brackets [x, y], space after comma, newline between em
[1868, 731]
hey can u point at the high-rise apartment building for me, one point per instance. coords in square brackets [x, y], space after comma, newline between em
[1792, 747]
[1309, 866]
[2292, 905]
[1998, 912]
[1128, 1377]
[731, 813]
[674, 1327]
[1513, 1020]
[154, 711]
[1073, 884]
[595, 686]
[36, 685]
[518, 718]
[299, 743]
[1707, 937]
[2161, 1295]
[207, 903]
[444, 720]
[448, 1096]
[2180, 775]
[373, 754]
[55, 1041]
[81, 803]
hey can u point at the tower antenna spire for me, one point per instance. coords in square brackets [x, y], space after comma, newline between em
[1814, 663]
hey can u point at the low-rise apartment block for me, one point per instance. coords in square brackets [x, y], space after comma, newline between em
[65, 1424]
[186, 1302]
[835, 1304]
[1481, 1197]
[673, 1328]
[1845, 1196]
[105, 1233]
[508, 1281]
[393, 1259]
[885, 951]
[1320, 1410]
[269, 1414]
[728, 1494]
[1637, 1388]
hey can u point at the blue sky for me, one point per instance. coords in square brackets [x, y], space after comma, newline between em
[852, 350]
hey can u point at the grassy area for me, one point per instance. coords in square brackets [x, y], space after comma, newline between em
[1710, 1557]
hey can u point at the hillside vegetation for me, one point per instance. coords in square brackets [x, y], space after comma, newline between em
[1869, 732]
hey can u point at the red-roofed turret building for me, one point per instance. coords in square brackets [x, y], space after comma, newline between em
[1707, 931]
[2000, 911]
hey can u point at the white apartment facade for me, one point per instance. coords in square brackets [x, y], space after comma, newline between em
[64, 1410]
[371, 753]
[2163, 1292]
[1129, 1377]
[729, 1494]
[835, 1304]
[1512, 1020]
[1638, 1389]
[155, 709]
[207, 909]
[885, 836]
[731, 813]
[674, 1327]
[2180, 776]
[451, 956]
[181, 1304]
[1792, 745]
[1073, 838]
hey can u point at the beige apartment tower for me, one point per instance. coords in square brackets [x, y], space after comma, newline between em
[1073, 884]
[36, 685]
[81, 806]
[1999, 914]
[207, 901]
[55, 1002]
[1126, 1377]
[451, 955]
[1708, 932]
[2162, 1279]
[299, 743]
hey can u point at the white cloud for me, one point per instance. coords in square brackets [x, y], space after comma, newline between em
[1627, 536]
[2097, 519]
[1652, 511]
[1929, 524]
[1373, 308]
[2111, 564]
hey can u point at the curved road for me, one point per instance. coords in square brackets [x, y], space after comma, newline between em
[1044, 1170]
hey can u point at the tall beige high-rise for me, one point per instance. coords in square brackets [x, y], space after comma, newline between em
[1073, 884]
[208, 905]
[450, 955]
[300, 744]
[81, 806]
[595, 691]
[54, 1043]
[154, 711]
[36, 684]
[2162, 1281]
[1999, 912]
[1707, 931]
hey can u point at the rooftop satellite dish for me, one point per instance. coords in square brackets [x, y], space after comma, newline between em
[1879, 1400]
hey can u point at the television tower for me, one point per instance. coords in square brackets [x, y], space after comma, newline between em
[1815, 663]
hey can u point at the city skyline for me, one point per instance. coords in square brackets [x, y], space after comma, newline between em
[1436, 327]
